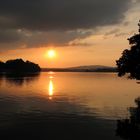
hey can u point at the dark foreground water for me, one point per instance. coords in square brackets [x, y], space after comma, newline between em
[65, 106]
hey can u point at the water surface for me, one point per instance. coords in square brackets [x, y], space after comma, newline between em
[64, 105]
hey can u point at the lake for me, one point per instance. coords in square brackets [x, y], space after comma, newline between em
[64, 105]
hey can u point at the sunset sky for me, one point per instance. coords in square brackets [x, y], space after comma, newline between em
[80, 32]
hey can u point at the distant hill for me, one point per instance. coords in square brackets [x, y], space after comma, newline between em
[89, 68]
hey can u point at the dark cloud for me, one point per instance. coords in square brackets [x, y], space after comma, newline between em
[114, 31]
[57, 15]
[24, 38]
[9, 36]
[54, 38]
[61, 14]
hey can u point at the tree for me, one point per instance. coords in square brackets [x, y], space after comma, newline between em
[18, 65]
[129, 62]
[2, 66]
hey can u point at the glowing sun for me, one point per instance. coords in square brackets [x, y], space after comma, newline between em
[51, 54]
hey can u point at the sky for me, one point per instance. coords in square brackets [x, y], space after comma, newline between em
[81, 32]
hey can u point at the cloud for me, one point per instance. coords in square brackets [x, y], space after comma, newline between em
[25, 39]
[54, 37]
[114, 31]
[61, 14]
[51, 17]
[9, 36]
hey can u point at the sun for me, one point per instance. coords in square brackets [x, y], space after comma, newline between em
[51, 54]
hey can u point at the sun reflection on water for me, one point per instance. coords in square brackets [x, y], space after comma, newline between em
[51, 88]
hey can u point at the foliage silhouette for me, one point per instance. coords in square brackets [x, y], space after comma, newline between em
[2, 66]
[18, 65]
[130, 128]
[129, 62]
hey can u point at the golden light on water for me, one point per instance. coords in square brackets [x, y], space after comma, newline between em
[51, 88]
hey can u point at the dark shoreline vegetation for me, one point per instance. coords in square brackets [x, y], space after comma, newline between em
[129, 62]
[19, 66]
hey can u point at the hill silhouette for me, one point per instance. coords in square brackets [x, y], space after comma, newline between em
[88, 68]
[18, 65]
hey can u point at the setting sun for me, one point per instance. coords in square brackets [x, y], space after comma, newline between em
[51, 53]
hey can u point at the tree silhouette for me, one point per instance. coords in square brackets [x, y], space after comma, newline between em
[129, 62]
[18, 65]
[2, 66]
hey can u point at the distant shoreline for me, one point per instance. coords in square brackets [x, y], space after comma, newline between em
[77, 70]
[82, 71]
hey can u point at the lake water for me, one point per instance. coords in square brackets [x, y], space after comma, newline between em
[67, 106]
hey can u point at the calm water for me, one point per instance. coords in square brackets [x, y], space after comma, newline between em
[67, 106]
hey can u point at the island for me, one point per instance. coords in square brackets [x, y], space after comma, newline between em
[19, 66]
